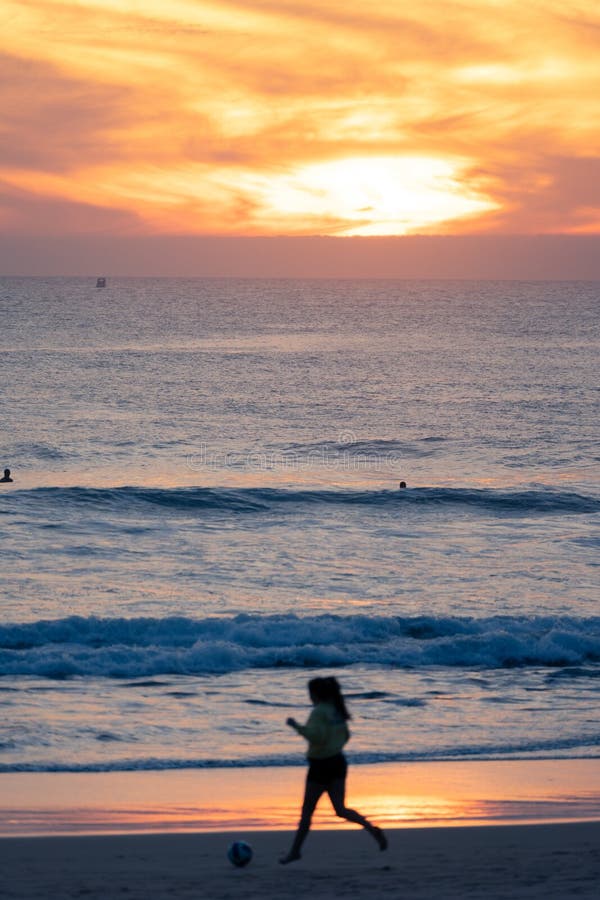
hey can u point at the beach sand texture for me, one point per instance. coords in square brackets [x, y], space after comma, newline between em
[531, 861]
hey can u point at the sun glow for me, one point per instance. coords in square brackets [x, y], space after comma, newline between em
[300, 118]
[375, 195]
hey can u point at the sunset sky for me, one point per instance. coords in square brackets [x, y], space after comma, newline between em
[300, 117]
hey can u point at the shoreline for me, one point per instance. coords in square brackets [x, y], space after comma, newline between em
[395, 795]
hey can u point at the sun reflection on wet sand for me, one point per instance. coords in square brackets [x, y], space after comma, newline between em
[395, 795]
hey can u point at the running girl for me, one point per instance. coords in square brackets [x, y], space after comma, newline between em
[326, 732]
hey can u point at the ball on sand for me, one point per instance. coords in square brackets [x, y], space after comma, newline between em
[239, 853]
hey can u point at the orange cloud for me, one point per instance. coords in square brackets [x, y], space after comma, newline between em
[291, 116]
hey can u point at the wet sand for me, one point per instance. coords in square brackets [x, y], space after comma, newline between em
[146, 835]
[395, 795]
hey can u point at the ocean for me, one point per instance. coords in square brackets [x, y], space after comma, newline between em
[206, 512]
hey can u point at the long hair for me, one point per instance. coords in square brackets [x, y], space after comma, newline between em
[328, 690]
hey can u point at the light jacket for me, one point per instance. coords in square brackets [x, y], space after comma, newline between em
[326, 731]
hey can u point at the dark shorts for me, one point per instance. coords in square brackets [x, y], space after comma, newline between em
[324, 771]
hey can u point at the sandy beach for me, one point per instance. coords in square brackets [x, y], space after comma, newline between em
[504, 829]
[489, 862]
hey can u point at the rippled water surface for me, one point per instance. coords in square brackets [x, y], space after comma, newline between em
[206, 511]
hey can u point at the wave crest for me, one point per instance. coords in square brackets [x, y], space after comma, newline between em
[541, 501]
[146, 647]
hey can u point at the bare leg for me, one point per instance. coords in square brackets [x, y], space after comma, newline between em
[312, 793]
[337, 793]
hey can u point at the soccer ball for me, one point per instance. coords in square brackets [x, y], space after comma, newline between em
[239, 853]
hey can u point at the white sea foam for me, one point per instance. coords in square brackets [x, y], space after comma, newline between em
[134, 648]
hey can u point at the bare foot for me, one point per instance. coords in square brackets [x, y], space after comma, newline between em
[291, 857]
[380, 838]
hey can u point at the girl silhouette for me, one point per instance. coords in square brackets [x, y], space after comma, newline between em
[326, 732]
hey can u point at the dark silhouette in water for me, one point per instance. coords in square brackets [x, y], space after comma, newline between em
[326, 732]
[6, 477]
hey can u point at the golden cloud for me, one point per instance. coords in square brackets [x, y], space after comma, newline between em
[284, 116]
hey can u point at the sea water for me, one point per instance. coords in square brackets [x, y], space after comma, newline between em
[205, 513]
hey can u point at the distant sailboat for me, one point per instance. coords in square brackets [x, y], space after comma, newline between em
[101, 282]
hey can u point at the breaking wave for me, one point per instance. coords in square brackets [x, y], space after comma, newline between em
[147, 647]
